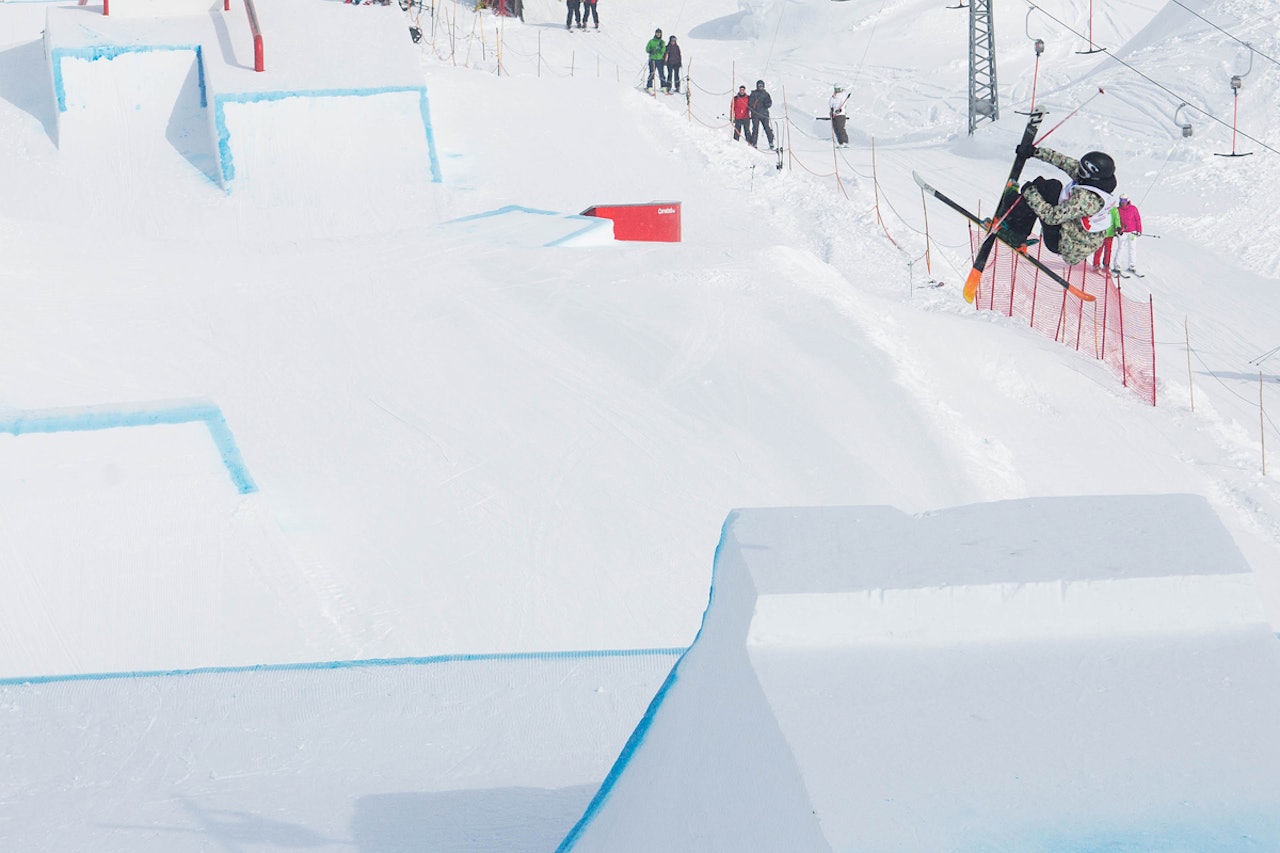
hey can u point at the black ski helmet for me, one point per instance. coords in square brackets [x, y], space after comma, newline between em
[759, 84]
[1096, 166]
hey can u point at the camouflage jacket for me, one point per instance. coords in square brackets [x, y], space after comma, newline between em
[1075, 243]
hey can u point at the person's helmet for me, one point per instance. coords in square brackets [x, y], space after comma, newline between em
[742, 88]
[839, 89]
[657, 32]
[1096, 166]
[1124, 199]
[759, 84]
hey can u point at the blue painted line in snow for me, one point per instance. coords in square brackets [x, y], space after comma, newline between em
[589, 223]
[424, 107]
[111, 51]
[224, 135]
[505, 209]
[111, 417]
[646, 722]
[347, 664]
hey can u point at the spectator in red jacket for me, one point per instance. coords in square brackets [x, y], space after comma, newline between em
[741, 114]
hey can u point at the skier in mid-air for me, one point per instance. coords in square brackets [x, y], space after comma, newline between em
[1073, 218]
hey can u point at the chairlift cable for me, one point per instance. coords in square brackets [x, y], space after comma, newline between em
[1165, 88]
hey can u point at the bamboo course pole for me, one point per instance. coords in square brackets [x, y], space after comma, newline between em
[688, 93]
[928, 261]
[786, 117]
[1186, 325]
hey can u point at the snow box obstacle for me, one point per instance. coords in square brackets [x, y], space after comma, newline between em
[653, 222]
[185, 83]
[981, 678]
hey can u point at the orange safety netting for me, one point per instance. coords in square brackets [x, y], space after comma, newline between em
[1114, 328]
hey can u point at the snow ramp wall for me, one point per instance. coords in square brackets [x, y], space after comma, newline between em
[971, 679]
[305, 124]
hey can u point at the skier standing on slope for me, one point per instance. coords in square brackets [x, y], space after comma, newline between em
[1073, 218]
[1102, 257]
[1130, 231]
[741, 115]
[835, 110]
[656, 50]
[574, 16]
[760, 103]
[673, 60]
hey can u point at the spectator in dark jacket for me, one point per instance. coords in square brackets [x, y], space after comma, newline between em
[673, 65]
[589, 13]
[574, 16]
[760, 103]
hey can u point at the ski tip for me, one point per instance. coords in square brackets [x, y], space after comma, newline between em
[923, 184]
[971, 285]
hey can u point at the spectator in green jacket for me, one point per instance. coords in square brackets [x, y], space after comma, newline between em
[656, 50]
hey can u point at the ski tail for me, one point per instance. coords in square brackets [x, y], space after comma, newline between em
[971, 285]
[984, 251]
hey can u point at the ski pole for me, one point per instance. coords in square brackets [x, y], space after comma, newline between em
[1069, 115]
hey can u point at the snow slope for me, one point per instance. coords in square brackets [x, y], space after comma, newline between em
[467, 446]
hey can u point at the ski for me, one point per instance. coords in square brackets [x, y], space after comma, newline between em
[1007, 200]
[994, 233]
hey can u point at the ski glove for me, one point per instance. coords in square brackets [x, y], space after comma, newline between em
[1026, 150]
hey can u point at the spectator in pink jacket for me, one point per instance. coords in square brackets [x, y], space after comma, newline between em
[1130, 231]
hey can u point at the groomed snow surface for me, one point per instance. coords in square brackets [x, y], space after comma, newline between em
[355, 497]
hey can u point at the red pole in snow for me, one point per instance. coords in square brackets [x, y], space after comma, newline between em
[258, 64]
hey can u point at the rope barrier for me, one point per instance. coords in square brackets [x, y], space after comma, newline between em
[709, 92]
[1225, 386]
[721, 126]
[721, 122]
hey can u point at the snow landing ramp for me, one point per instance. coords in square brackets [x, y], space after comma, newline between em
[978, 679]
[299, 129]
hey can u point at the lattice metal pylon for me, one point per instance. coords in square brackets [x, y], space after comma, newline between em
[984, 105]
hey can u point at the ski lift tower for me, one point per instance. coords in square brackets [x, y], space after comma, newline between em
[983, 103]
